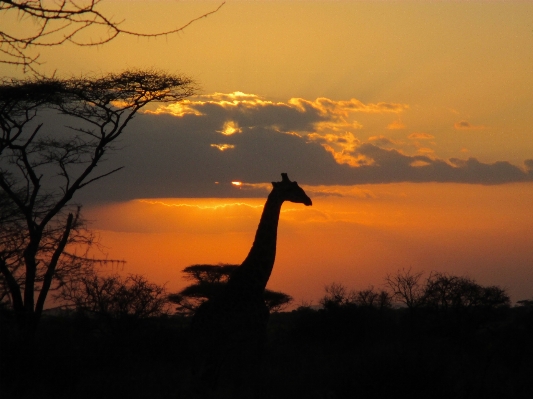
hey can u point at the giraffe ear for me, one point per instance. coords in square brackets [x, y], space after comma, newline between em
[274, 184]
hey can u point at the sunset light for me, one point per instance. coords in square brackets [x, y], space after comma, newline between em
[230, 128]
[266, 199]
[223, 147]
[383, 225]
[382, 119]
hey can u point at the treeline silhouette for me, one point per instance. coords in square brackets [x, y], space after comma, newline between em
[440, 337]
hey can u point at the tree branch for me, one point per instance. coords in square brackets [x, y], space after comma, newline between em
[74, 19]
[99, 177]
[52, 267]
[13, 286]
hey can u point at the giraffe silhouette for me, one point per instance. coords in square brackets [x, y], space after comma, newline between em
[229, 330]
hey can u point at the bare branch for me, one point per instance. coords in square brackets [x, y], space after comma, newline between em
[59, 22]
[99, 177]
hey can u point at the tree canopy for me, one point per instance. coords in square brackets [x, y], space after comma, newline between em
[41, 168]
[209, 281]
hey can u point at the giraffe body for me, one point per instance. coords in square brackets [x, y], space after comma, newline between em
[229, 331]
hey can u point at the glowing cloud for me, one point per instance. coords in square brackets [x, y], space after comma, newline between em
[197, 203]
[419, 164]
[229, 128]
[320, 139]
[343, 108]
[319, 115]
[179, 109]
[342, 147]
[223, 147]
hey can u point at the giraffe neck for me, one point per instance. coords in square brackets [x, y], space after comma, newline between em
[257, 267]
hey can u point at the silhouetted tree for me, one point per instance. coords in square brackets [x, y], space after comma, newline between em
[372, 298]
[276, 301]
[405, 287]
[337, 295]
[526, 303]
[115, 296]
[40, 171]
[446, 292]
[208, 281]
[56, 22]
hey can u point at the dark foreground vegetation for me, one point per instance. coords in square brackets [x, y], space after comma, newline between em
[344, 350]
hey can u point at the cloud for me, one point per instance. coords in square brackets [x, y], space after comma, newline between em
[223, 147]
[425, 150]
[344, 108]
[342, 147]
[182, 151]
[383, 141]
[464, 125]
[392, 166]
[297, 114]
[420, 136]
[338, 191]
[229, 128]
[396, 125]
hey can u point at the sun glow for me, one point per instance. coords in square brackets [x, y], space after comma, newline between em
[237, 183]
[199, 203]
[223, 147]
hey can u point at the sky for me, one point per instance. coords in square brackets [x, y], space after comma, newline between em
[408, 123]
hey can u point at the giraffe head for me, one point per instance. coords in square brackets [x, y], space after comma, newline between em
[288, 190]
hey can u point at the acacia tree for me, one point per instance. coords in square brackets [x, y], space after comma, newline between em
[208, 281]
[53, 23]
[42, 169]
[447, 292]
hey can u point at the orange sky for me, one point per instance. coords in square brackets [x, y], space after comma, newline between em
[480, 231]
[335, 93]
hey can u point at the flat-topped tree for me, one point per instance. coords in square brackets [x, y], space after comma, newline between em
[41, 170]
[208, 281]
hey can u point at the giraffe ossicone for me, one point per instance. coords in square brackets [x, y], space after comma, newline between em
[229, 331]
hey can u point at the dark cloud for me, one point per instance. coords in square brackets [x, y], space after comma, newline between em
[254, 112]
[162, 160]
[392, 166]
[465, 125]
[165, 157]
[180, 156]
[382, 141]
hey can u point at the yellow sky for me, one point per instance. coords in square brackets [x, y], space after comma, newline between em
[450, 62]
[459, 74]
